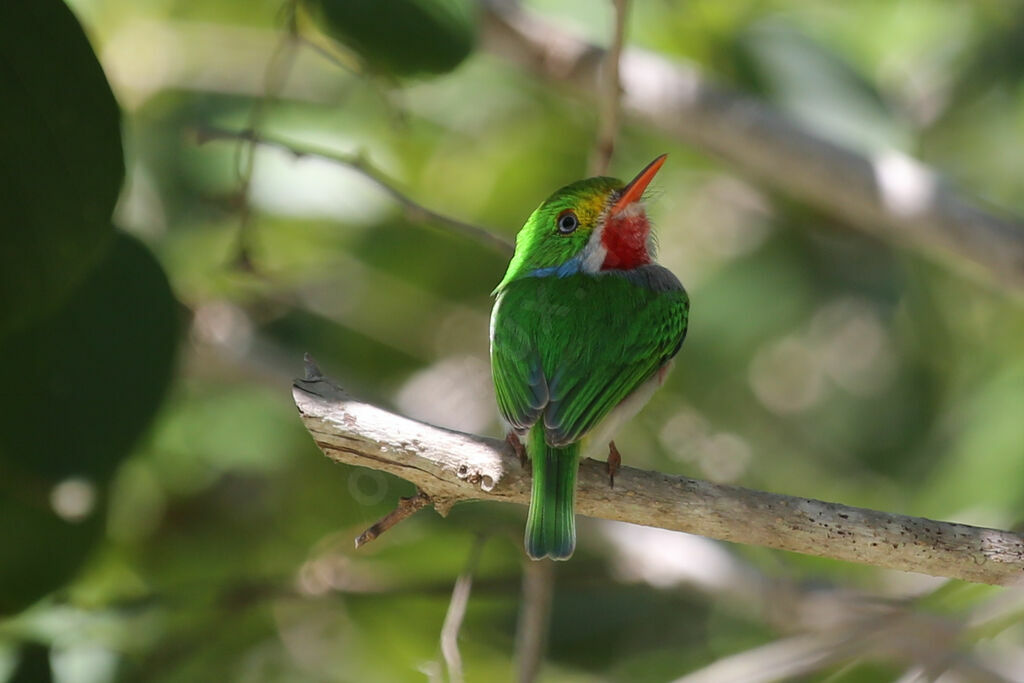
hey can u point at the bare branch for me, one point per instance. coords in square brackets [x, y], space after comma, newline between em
[407, 507]
[450, 467]
[457, 612]
[890, 195]
[609, 123]
[534, 618]
[275, 77]
[822, 624]
[357, 162]
[925, 641]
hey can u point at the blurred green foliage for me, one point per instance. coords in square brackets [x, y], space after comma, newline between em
[201, 536]
[84, 383]
[400, 37]
[89, 336]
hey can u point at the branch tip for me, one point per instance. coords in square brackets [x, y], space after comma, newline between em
[407, 507]
[311, 369]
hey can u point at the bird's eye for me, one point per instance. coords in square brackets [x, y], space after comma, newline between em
[567, 222]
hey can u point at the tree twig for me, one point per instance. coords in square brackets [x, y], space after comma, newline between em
[917, 638]
[534, 618]
[889, 195]
[275, 77]
[450, 467]
[357, 162]
[608, 126]
[457, 612]
[407, 507]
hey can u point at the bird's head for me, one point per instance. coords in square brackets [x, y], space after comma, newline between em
[589, 226]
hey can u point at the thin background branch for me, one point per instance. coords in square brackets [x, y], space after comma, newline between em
[359, 163]
[457, 612]
[608, 126]
[275, 77]
[534, 618]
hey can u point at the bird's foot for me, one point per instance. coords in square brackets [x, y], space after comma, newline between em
[614, 463]
[513, 440]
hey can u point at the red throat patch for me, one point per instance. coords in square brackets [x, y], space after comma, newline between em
[625, 238]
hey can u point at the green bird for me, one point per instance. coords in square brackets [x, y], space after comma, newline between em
[584, 328]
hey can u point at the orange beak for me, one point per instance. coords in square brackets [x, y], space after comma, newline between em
[635, 189]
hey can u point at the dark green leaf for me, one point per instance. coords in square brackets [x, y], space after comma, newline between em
[61, 165]
[400, 37]
[33, 665]
[81, 385]
[40, 550]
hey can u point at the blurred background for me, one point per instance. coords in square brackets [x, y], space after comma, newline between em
[167, 518]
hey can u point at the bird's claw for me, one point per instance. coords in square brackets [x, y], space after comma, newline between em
[520, 450]
[614, 463]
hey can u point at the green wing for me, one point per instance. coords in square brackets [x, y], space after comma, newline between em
[571, 349]
[520, 386]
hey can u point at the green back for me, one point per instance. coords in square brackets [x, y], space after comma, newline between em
[569, 349]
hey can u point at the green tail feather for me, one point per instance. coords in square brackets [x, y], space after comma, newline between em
[551, 524]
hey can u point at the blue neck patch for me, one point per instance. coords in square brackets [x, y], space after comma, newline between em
[570, 267]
